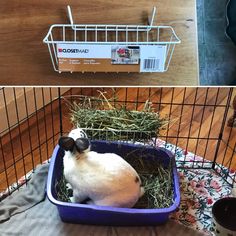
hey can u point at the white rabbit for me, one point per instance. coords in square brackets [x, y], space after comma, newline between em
[101, 179]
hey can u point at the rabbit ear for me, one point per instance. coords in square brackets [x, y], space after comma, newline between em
[82, 144]
[66, 143]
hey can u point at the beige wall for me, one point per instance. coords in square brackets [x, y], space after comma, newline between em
[10, 108]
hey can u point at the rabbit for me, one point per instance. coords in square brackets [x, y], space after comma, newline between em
[104, 179]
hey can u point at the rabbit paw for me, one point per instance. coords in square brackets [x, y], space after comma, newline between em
[72, 199]
[90, 202]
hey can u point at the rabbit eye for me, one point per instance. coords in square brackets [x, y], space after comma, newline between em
[82, 133]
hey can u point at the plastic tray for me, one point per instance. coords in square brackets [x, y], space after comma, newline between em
[102, 215]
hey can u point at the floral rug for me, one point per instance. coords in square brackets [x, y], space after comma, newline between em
[199, 188]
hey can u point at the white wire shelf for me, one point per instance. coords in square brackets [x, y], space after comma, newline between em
[101, 34]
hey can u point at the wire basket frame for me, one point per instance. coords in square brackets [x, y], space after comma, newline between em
[122, 136]
[105, 119]
[113, 35]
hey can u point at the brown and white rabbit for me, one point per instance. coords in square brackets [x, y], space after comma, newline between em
[98, 178]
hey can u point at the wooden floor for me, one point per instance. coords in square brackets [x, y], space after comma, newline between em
[195, 124]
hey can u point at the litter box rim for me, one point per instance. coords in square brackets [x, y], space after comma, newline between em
[140, 211]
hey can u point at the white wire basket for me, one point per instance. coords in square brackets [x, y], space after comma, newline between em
[110, 48]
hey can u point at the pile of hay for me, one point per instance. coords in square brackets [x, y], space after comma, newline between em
[106, 121]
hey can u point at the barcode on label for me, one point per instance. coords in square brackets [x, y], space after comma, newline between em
[151, 64]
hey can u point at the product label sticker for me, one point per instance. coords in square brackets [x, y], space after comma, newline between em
[83, 51]
[152, 58]
[111, 58]
[125, 54]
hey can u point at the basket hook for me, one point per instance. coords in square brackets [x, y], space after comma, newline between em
[70, 16]
[151, 19]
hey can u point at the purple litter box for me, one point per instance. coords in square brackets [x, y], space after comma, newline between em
[101, 215]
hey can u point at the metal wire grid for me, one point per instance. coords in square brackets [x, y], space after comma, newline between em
[28, 131]
[131, 35]
[30, 140]
[226, 150]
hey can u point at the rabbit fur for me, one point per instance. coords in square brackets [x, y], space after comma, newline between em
[100, 178]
